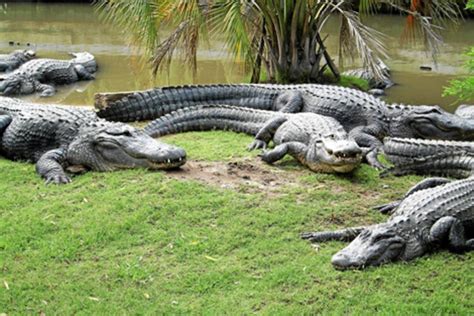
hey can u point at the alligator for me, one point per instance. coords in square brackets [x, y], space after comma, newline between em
[363, 73]
[435, 213]
[66, 138]
[316, 141]
[429, 157]
[366, 118]
[15, 59]
[466, 111]
[40, 75]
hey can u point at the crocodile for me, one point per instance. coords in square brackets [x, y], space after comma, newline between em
[429, 157]
[15, 59]
[66, 138]
[316, 141]
[366, 118]
[363, 73]
[466, 111]
[436, 213]
[40, 75]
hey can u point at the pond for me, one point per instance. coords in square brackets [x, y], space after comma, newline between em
[56, 29]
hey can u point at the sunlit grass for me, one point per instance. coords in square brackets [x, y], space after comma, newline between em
[137, 242]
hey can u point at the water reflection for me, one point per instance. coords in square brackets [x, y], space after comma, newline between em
[55, 29]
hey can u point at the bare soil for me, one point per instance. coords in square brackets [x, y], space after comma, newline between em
[248, 175]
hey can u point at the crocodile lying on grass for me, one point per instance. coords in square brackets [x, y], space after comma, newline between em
[316, 141]
[15, 59]
[429, 157]
[367, 118]
[435, 213]
[59, 138]
[40, 75]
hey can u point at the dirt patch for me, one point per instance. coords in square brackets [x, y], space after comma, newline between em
[246, 175]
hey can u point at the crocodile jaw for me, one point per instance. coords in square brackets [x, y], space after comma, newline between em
[333, 156]
[371, 248]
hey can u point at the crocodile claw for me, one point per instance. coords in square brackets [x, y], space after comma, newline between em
[387, 208]
[257, 144]
[58, 179]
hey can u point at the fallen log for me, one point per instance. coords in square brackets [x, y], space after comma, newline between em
[104, 99]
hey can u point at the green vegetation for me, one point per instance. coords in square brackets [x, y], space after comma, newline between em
[139, 242]
[283, 39]
[464, 88]
[354, 82]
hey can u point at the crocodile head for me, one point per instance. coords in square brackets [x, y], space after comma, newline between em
[333, 152]
[105, 146]
[430, 122]
[375, 246]
[85, 59]
[24, 54]
[16, 84]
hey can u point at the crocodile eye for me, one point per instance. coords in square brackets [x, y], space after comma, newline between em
[434, 110]
[382, 236]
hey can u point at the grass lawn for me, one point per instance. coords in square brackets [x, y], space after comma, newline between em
[140, 242]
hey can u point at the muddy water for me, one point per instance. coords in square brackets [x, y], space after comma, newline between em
[56, 29]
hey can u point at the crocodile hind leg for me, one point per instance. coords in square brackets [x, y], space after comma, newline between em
[50, 167]
[451, 230]
[295, 149]
[45, 90]
[422, 185]
[4, 67]
[265, 134]
[5, 120]
[289, 102]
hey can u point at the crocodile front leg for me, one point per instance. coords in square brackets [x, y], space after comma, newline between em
[347, 234]
[50, 166]
[451, 230]
[265, 134]
[368, 138]
[82, 73]
[295, 149]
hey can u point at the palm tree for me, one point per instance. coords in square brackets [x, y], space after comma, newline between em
[280, 38]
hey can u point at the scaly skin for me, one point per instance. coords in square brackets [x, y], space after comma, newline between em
[429, 157]
[437, 214]
[366, 118]
[363, 73]
[59, 138]
[316, 141]
[40, 75]
[12, 61]
[465, 111]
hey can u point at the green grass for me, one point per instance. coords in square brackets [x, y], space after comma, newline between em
[354, 82]
[137, 242]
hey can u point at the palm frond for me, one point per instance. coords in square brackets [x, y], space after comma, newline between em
[357, 39]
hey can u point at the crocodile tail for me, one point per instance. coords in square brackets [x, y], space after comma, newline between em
[210, 117]
[154, 103]
[457, 164]
[405, 148]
